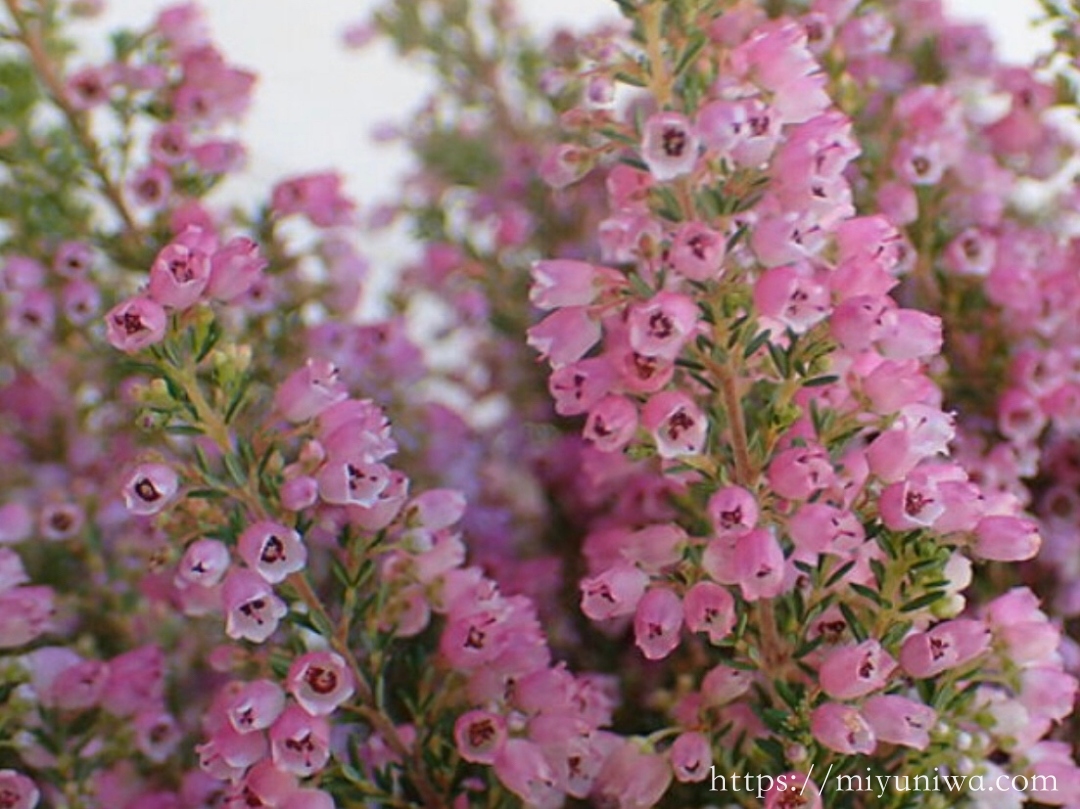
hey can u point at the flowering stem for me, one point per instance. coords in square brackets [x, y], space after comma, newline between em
[651, 24]
[46, 71]
[729, 389]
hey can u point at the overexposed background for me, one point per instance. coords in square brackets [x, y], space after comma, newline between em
[316, 103]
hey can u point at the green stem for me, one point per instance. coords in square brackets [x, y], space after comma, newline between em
[76, 120]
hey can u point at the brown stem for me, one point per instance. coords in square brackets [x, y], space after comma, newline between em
[729, 389]
[660, 77]
[46, 70]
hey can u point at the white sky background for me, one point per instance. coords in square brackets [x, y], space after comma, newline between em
[316, 104]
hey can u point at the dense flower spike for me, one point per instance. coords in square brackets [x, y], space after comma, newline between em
[795, 412]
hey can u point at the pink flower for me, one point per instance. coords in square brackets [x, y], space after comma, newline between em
[792, 296]
[564, 165]
[697, 252]
[612, 423]
[758, 565]
[776, 58]
[1007, 539]
[169, 144]
[300, 742]
[151, 187]
[263, 785]
[234, 268]
[723, 684]
[156, 734]
[80, 300]
[299, 493]
[317, 196]
[184, 27]
[436, 509]
[12, 572]
[793, 790]
[384, 510]
[179, 275]
[578, 387]
[669, 146]
[136, 681]
[733, 511]
[910, 334]
[691, 757]
[204, 563]
[352, 482]
[657, 622]
[911, 504]
[899, 720]
[274, 551]
[566, 282]
[746, 131]
[212, 91]
[60, 521]
[821, 528]
[1047, 691]
[677, 424]
[946, 646]
[255, 706]
[219, 156]
[25, 614]
[850, 672]
[320, 681]
[565, 335]
[16, 523]
[632, 778]
[661, 326]
[150, 487]
[799, 472]
[480, 735]
[252, 611]
[135, 324]
[614, 592]
[73, 259]
[308, 799]
[709, 608]
[17, 791]
[523, 769]
[79, 686]
[841, 728]
[88, 88]
[310, 390]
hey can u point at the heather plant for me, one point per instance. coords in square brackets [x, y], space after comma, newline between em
[737, 235]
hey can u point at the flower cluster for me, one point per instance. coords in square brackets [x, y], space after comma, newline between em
[741, 332]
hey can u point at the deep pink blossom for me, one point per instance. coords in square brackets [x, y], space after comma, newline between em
[320, 681]
[135, 324]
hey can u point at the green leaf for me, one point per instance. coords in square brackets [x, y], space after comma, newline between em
[207, 494]
[236, 402]
[896, 633]
[697, 43]
[780, 360]
[857, 629]
[923, 601]
[808, 646]
[756, 343]
[235, 469]
[183, 429]
[870, 594]
[213, 335]
[840, 572]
